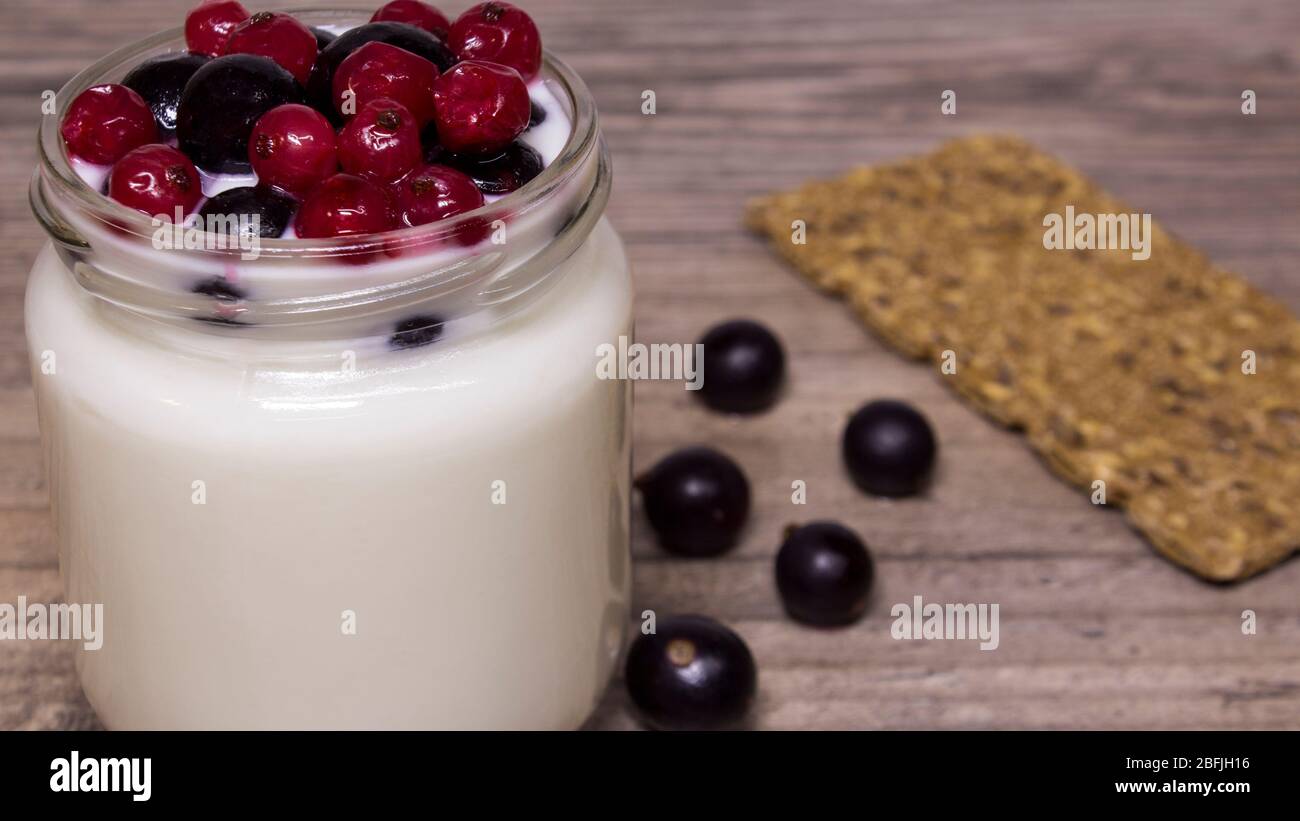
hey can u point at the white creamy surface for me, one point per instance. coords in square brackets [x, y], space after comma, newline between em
[329, 491]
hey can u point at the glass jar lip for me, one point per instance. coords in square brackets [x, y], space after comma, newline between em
[583, 139]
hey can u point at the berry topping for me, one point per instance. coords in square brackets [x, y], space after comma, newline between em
[481, 107]
[293, 147]
[381, 142]
[824, 573]
[323, 37]
[278, 36]
[378, 70]
[320, 87]
[344, 205]
[498, 173]
[435, 192]
[697, 500]
[160, 82]
[156, 180]
[498, 33]
[272, 210]
[743, 367]
[223, 101]
[105, 122]
[692, 673]
[536, 115]
[416, 331]
[417, 14]
[219, 288]
[209, 25]
[889, 448]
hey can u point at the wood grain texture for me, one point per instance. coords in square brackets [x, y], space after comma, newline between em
[1097, 631]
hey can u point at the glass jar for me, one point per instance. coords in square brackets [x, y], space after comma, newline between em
[371, 482]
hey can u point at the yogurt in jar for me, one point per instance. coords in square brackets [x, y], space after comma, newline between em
[297, 518]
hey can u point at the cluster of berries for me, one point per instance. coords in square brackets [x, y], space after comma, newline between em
[403, 121]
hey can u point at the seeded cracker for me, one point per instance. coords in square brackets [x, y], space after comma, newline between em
[1129, 371]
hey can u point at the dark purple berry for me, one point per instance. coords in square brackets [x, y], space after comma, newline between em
[160, 82]
[536, 115]
[697, 500]
[744, 365]
[498, 173]
[889, 448]
[416, 331]
[219, 288]
[692, 673]
[323, 37]
[272, 209]
[223, 101]
[824, 573]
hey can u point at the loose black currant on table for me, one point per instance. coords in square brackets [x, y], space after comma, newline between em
[697, 500]
[223, 101]
[744, 365]
[416, 331]
[824, 574]
[272, 208]
[888, 448]
[403, 35]
[692, 673]
[498, 173]
[160, 82]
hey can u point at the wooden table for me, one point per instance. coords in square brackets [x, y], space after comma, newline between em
[1097, 631]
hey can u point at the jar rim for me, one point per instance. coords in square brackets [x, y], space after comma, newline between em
[56, 166]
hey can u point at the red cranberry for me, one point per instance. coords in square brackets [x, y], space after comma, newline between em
[381, 142]
[104, 122]
[480, 107]
[436, 192]
[293, 147]
[155, 179]
[208, 26]
[278, 36]
[421, 15]
[378, 70]
[344, 205]
[498, 33]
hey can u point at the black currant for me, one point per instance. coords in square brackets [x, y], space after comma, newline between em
[697, 500]
[160, 82]
[692, 673]
[223, 101]
[824, 573]
[499, 173]
[272, 208]
[744, 365]
[889, 448]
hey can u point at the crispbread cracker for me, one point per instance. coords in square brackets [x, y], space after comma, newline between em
[1128, 371]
